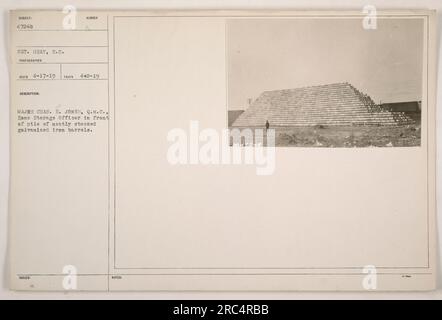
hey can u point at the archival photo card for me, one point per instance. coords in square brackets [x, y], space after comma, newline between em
[125, 174]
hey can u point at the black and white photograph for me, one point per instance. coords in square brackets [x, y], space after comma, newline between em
[327, 82]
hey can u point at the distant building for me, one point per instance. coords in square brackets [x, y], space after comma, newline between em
[406, 106]
[411, 108]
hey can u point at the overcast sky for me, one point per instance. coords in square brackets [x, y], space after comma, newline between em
[272, 54]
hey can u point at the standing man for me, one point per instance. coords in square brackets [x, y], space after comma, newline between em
[267, 125]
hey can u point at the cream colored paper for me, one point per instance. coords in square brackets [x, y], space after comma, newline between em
[100, 207]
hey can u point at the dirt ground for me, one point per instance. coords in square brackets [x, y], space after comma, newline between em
[348, 136]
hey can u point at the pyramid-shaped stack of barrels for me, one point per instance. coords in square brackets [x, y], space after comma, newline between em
[338, 104]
